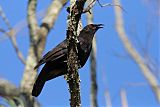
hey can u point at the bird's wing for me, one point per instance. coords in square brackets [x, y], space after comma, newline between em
[57, 54]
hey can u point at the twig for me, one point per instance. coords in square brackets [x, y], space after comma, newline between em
[123, 98]
[2, 14]
[2, 30]
[15, 45]
[110, 4]
[22, 24]
[108, 99]
[11, 35]
[120, 55]
[89, 7]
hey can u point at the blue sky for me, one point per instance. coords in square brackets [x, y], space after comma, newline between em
[113, 73]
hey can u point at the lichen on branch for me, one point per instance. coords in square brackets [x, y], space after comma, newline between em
[73, 79]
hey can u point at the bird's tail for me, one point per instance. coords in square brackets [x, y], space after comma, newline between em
[38, 85]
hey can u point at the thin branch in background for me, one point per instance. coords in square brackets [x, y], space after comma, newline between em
[153, 5]
[14, 42]
[2, 30]
[15, 45]
[110, 4]
[9, 92]
[21, 25]
[136, 40]
[108, 99]
[7, 89]
[136, 84]
[123, 95]
[120, 55]
[2, 14]
[144, 49]
[152, 65]
[12, 36]
[93, 76]
[90, 5]
[107, 95]
[148, 31]
[13, 95]
[153, 82]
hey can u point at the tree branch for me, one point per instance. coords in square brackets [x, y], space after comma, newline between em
[91, 3]
[32, 58]
[108, 99]
[7, 89]
[12, 36]
[52, 13]
[37, 43]
[38, 39]
[76, 9]
[94, 87]
[124, 98]
[133, 52]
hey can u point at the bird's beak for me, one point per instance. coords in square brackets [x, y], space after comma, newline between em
[100, 26]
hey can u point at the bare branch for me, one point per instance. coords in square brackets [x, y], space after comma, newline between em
[15, 45]
[108, 99]
[110, 4]
[124, 98]
[89, 7]
[2, 30]
[14, 96]
[38, 39]
[76, 9]
[94, 86]
[2, 14]
[8, 89]
[37, 43]
[22, 24]
[52, 13]
[133, 52]
[11, 35]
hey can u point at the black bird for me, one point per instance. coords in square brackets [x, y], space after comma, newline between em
[56, 59]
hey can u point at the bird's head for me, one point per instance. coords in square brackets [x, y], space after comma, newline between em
[88, 32]
[92, 28]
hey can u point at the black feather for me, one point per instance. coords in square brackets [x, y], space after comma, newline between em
[56, 60]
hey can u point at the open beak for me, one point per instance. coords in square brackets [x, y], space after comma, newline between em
[100, 26]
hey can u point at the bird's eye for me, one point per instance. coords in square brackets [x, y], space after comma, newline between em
[94, 27]
[90, 26]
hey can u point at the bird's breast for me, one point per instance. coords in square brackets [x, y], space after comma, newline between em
[83, 54]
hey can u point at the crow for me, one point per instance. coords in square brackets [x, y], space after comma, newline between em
[56, 60]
